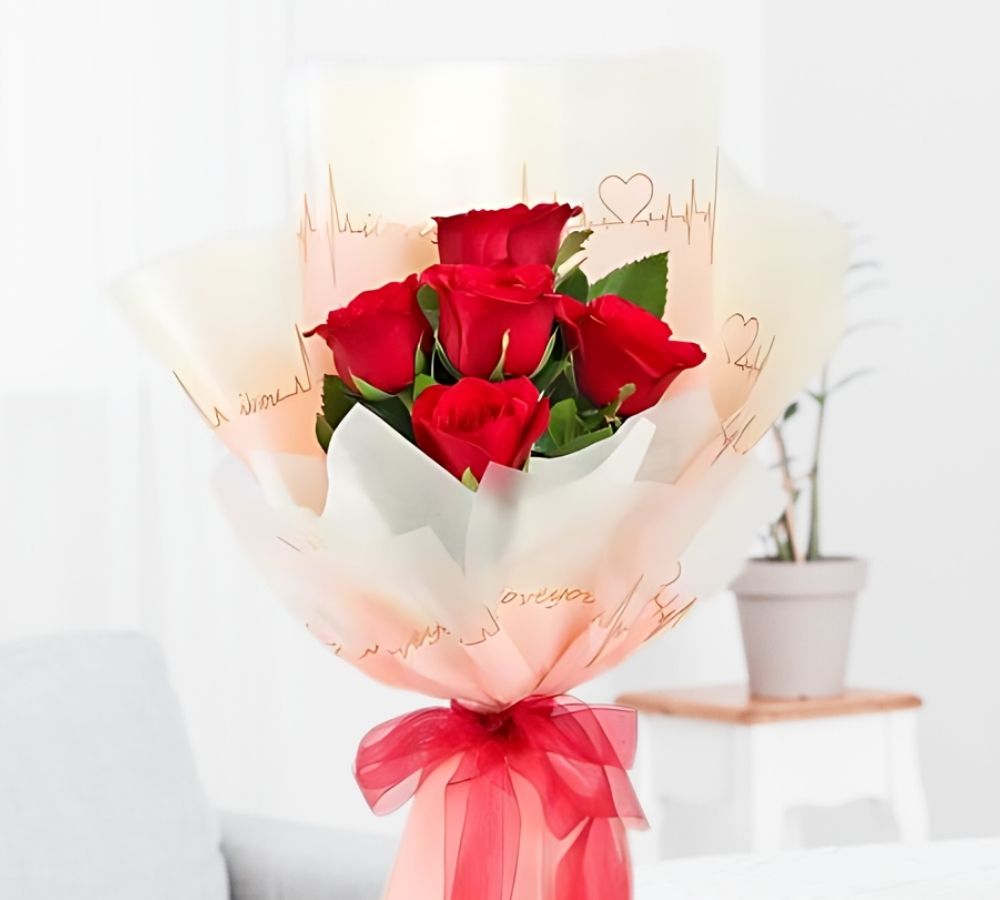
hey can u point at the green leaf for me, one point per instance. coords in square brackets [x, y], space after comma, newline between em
[611, 410]
[419, 360]
[337, 401]
[552, 365]
[369, 392]
[394, 412]
[571, 245]
[574, 284]
[440, 354]
[323, 432]
[470, 480]
[583, 440]
[564, 425]
[866, 324]
[421, 383]
[643, 283]
[847, 379]
[570, 374]
[547, 355]
[790, 411]
[408, 395]
[549, 375]
[497, 373]
[428, 299]
[571, 430]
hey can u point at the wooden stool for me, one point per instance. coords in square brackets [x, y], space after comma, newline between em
[717, 760]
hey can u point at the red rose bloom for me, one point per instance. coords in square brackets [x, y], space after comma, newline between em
[514, 236]
[479, 304]
[375, 337]
[475, 422]
[615, 343]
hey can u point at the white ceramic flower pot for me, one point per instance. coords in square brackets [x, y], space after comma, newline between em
[796, 622]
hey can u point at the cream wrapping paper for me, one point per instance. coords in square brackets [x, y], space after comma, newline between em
[540, 579]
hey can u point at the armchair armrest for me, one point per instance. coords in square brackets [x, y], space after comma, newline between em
[268, 859]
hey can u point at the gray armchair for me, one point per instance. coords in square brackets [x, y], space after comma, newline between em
[271, 860]
[99, 799]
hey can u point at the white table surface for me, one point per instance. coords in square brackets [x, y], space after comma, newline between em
[953, 870]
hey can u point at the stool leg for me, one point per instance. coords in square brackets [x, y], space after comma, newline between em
[767, 823]
[793, 837]
[906, 789]
[758, 807]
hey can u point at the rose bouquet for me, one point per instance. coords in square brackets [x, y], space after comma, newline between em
[503, 348]
[480, 465]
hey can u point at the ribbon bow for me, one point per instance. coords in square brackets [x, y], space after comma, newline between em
[573, 755]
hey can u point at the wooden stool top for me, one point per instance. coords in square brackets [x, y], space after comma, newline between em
[732, 703]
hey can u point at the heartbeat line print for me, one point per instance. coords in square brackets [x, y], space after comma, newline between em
[626, 200]
[254, 403]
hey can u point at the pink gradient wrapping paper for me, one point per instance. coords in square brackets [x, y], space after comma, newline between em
[541, 579]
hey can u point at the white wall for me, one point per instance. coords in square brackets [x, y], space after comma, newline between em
[128, 127]
[886, 113]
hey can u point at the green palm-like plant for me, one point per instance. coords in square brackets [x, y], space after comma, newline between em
[786, 536]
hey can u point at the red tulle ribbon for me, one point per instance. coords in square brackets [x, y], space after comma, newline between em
[573, 755]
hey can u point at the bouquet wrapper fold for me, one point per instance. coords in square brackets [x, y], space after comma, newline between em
[501, 601]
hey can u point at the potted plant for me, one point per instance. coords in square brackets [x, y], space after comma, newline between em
[796, 605]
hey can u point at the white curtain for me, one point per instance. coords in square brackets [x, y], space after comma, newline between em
[129, 128]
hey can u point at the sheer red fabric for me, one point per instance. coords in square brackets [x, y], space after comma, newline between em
[573, 755]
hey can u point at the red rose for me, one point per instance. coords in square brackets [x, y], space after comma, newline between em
[475, 422]
[615, 343]
[514, 236]
[479, 304]
[375, 337]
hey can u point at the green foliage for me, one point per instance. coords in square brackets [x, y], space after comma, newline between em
[441, 357]
[547, 355]
[337, 400]
[421, 383]
[574, 284]
[643, 282]
[846, 380]
[419, 361]
[394, 411]
[497, 373]
[369, 392]
[803, 481]
[547, 378]
[428, 299]
[583, 440]
[572, 244]
[323, 432]
[564, 425]
[571, 429]
[610, 411]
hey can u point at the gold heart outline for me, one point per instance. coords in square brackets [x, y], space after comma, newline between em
[741, 359]
[625, 182]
